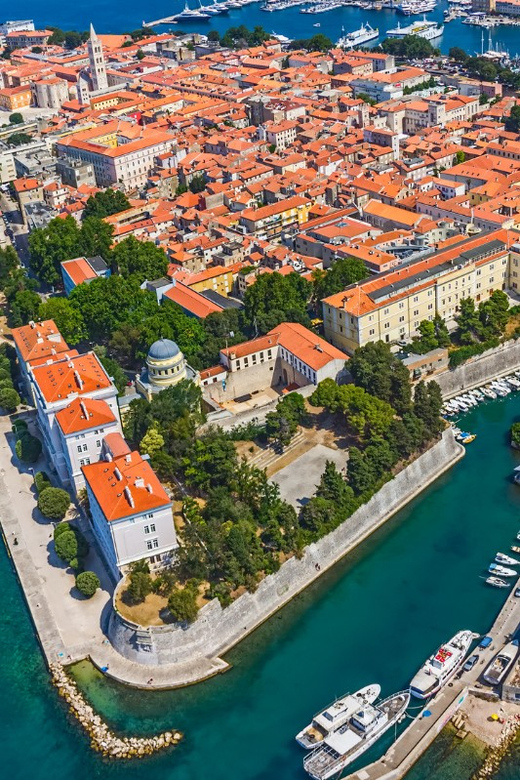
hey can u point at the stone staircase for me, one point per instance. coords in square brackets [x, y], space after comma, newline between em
[274, 452]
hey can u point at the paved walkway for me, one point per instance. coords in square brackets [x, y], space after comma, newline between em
[69, 627]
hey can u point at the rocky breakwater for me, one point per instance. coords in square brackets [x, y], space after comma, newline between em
[101, 738]
[496, 753]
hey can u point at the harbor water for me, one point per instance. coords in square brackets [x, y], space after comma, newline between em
[375, 618]
[118, 17]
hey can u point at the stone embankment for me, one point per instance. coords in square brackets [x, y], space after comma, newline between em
[496, 753]
[480, 369]
[101, 738]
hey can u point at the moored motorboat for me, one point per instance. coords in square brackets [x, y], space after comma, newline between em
[336, 715]
[489, 392]
[496, 582]
[515, 548]
[501, 664]
[501, 571]
[503, 558]
[441, 666]
[349, 742]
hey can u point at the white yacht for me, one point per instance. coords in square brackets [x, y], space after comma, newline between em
[441, 666]
[501, 664]
[502, 558]
[335, 715]
[356, 38]
[489, 392]
[348, 743]
[496, 582]
[501, 571]
[190, 13]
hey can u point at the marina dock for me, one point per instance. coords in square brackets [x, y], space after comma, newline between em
[421, 732]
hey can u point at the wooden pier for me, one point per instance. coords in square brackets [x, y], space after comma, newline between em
[403, 754]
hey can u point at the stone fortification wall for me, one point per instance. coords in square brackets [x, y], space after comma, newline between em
[480, 369]
[216, 629]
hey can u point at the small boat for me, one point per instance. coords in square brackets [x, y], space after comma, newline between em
[466, 438]
[478, 395]
[489, 392]
[515, 548]
[496, 582]
[502, 558]
[317, 24]
[469, 399]
[501, 571]
[335, 715]
[501, 664]
[441, 666]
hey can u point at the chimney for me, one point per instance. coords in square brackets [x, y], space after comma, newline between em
[139, 482]
[129, 497]
[83, 410]
[118, 474]
[79, 380]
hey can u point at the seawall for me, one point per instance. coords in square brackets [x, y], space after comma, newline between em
[480, 369]
[216, 630]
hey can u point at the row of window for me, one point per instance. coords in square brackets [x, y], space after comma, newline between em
[152, 544]
[84, 447]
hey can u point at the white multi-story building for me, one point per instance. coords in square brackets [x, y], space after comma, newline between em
[37, 343]
[57, 384]
[131, 512]
[81, 427]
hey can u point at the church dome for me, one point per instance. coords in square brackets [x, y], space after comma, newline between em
[163, 349]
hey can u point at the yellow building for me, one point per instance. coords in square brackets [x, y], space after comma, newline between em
[389, 306]
[215, 278]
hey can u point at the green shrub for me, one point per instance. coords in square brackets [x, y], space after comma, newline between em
[460, 355]
[19, 426]
[61, 528]
[53, 503]
[66, 546]
[87, 583]
[42, 481]
[28, 448]
[183, 605]
[5, 374]
[515, 435]
[9, 399]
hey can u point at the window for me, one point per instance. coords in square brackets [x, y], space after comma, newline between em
[401, 318]
[401, 305]
[416, 298]
[430, 306]
[387, 324]
[155, 543]
[146, 529]
[98, 443]
[79, 447]
[85, 446]
[149, 545]
[416, 312]
[371, 332]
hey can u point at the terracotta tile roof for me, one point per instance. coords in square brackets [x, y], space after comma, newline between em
[83, 375]
[116, 445]
[82, 414]
[39, 340]
[79, 270]
[125, 486]
[192, 301]
[306, 345]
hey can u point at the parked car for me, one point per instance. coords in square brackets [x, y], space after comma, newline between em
[470, 663]
[517, 593]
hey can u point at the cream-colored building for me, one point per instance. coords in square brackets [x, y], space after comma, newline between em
[165, 366]
[389, 306]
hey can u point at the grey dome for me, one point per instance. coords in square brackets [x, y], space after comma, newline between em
[164, 349]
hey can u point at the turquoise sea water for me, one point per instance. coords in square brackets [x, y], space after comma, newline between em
[117, 17]
[375, 618]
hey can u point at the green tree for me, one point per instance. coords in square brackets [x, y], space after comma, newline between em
[9, 399]
[16, 119]
[50, 246]
[512, 122]
[344, 272]
[152, 441]
[53, 503]
[274, 298]
[137, 420]
[87, 583]
[197, 184]
[105, 203]
[25, 305]
[318, 42]
[8, 263]
[468, 321]
[379, 372]
[66, 316]
[95, 238]
[142, 259]
[41, 481]
[19, 139]
[460, 157]
[66, 546]
[359, 472]
[28, 448]
[183, 605]
[457, 54]
[427, 406]
[139, 586]
[494, 314]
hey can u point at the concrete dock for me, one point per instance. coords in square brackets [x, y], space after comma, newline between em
[421, 732]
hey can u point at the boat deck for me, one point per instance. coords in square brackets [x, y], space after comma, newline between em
[419, 735]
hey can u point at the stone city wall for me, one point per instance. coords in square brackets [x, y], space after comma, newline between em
[216, 630]
[480, 369]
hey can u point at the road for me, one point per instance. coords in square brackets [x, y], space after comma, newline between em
[16, 230]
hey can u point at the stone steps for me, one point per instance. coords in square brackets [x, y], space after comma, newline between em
[267, 457]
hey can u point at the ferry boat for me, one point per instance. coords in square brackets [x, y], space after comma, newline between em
[424, 29]
[501, 571]
[348, 743]
[441, 666]
[501, 664]
[496, 582]
[503, 558]
[358, 37]
[335, 715]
